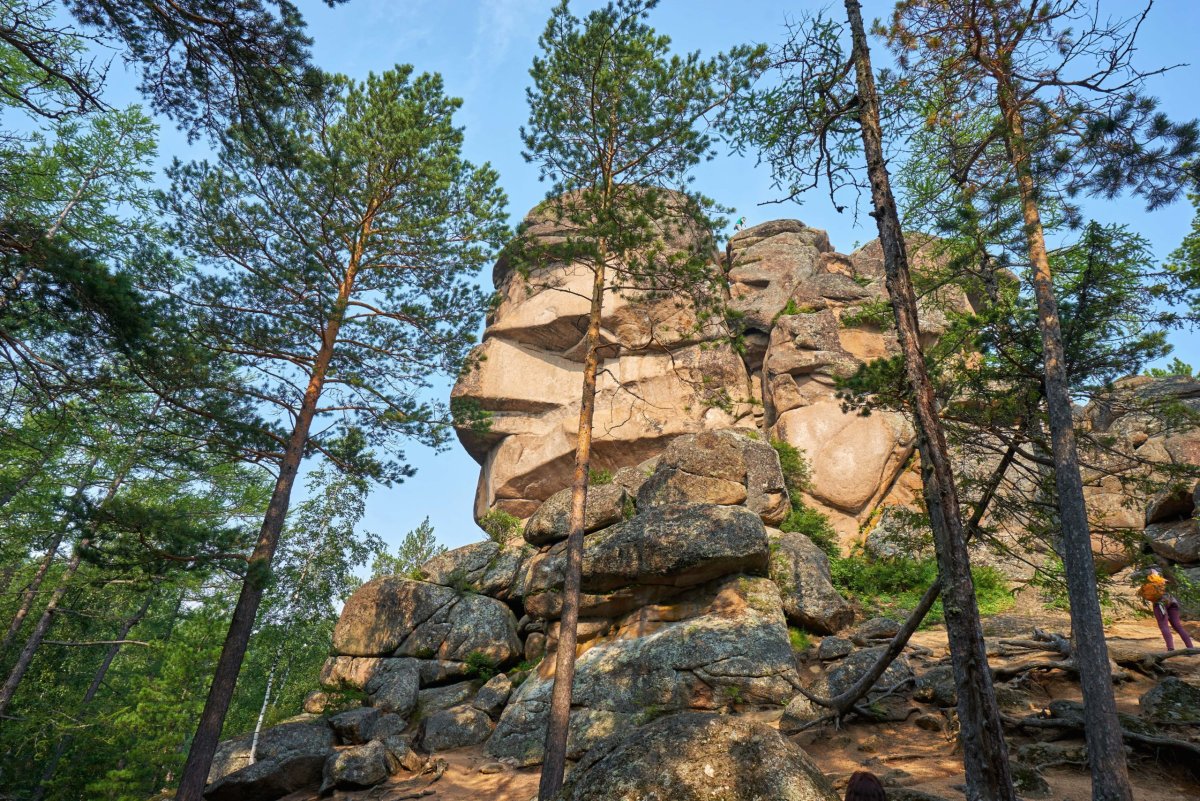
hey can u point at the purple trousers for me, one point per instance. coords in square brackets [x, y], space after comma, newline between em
[1168, 619]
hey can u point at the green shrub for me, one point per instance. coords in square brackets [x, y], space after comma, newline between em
[500, 526]
[875, 313]
[799, 639]
[894, 586]
[598, 478]
[805, 520]
[793, 464]
[480, 665]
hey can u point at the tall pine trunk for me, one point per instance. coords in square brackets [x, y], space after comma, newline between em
[559, 718]
[1106, 749]
[985, 753]
[241, 626]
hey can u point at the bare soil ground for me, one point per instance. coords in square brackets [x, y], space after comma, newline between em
[903, 754]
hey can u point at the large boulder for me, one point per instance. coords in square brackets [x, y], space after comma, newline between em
[1178, 541]
[487, 568]
[651, 556]
[390, 684]
[289, 757]
[606, 504]
[719, 467]
[402, 617]
[1172, 700]
[846, 672]
[356, 767]
[767, 262]
[853, 459]
[700, 757]
[801, 571]
[455, 727]
[721, 644]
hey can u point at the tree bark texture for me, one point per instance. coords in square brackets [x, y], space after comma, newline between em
[985, 752]
[558, 721]
[208, 732]
[1106, 750]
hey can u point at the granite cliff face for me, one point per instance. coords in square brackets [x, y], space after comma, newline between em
[809, 315]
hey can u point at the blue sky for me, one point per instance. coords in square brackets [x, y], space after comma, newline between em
[483, 49]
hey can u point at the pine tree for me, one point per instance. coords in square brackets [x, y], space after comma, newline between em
[617, 125]
[340, 283]
[1073, 117]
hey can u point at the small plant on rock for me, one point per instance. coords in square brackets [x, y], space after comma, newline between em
[500, 526]
[799, 639]
[480, 665]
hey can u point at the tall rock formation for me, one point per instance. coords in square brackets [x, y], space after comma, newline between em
[807, 316]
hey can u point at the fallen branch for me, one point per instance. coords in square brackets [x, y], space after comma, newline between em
[1190, 751]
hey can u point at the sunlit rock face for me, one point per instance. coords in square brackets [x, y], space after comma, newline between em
[808, 315]
[662, 375]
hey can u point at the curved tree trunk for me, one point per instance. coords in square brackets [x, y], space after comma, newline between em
[558, 721]
[985, 752]
[208, 732]
[65, 742]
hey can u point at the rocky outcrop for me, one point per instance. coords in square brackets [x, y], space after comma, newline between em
[395, 616]
[801, 571]
[709, 648]
[660, 377]
[486, 568]
[649, 557]
[289, 757]
[699, 757]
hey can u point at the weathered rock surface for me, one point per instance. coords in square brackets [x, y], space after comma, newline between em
[798, 713]
[1178, 541]
[487, 568]
[801, 571]
[455, 727]
[834, 648]
[936, 686]
[870, 632]
[699, 757]
[661, 377]
[290, 756]
[353, 727]
[651, 556]
[711, 647]
[606, 504]
[493, 695]
[356, 767]
[719, 467]
[845, 673]
[401, 617]
[1172, 700]
[435, 699]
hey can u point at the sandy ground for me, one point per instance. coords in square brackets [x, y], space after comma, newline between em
[904, 754]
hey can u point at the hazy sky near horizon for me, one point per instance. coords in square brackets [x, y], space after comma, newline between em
[483, 49]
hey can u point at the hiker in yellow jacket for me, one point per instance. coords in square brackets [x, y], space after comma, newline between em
[1166, 608]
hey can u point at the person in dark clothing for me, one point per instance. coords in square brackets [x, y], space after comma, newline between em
[864, 786]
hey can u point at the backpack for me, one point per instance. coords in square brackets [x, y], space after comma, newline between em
[1154, 589]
